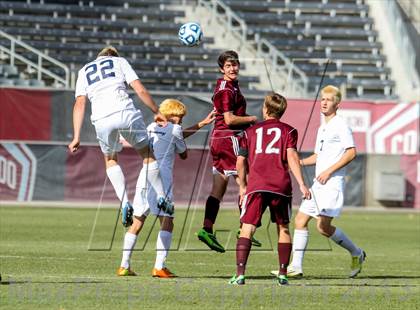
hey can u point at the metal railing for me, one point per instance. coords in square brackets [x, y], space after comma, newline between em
[279, 62]
[42, 59]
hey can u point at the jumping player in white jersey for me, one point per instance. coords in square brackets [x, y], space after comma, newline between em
[167, 141]
[334, 149]
[103, 81]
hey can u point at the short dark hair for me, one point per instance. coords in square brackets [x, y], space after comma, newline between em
[275, 104]
[231, 56]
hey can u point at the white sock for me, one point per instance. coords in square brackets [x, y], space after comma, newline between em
[163, 244]
[116, 176]
[140, 196]
[129, 244]
[151, 171]
[342, 240]
[300, 241]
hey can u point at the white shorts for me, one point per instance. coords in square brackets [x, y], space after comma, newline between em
[326, 200]
[128, 123]
[147, 203]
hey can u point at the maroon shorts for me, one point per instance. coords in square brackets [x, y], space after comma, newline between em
[224, 151]
[255, 203]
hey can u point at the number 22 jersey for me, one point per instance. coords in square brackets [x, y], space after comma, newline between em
[103, 81]
[265, 146]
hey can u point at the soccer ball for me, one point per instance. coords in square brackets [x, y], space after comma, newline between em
[190, 34]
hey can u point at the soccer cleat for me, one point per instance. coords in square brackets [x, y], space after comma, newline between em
[356, 264]
[254, 241]
[292, 272]
[282, 279]
[210, 240]
[162, 273]
[237, 280]
[127, 215]
[166, 205]
[125, 272]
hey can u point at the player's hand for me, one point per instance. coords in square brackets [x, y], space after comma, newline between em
[254, 119]
[160, 119]
[209, 119]
[306, 193]
[323, 177]
[74, 145]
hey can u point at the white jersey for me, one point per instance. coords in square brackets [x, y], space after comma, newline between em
[103, 82]
[166, 141]
[332, 140]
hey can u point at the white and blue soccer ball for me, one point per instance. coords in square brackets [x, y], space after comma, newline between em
[190, 34]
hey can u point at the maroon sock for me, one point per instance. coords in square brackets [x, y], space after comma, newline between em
[243, 247]
[284, 250]
[210, 214]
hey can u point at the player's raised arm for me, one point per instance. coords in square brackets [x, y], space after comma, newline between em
[147, 99]
[294, 165]
[235, 120]
[194, 128]
[78, 115]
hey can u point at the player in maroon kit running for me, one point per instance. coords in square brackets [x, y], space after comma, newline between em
[231, 120]
[267, 152]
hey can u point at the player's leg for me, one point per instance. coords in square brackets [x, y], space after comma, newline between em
[107, 132]
[243, 247]
[325, 227]
[300, 242]
[130, 239]
[284, 250]
[253, 208]
[163, 244]
[219, 185]
[254, 241]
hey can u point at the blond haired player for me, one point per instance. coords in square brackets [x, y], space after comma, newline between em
[167, 141]
[102, 81]
[334, 149]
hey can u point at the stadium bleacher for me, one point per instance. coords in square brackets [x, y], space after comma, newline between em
[145, 32]
[312, 31]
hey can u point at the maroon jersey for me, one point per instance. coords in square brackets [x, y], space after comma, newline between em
[228, 97]
[265, 144]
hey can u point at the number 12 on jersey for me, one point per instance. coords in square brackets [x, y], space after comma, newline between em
[270, 149]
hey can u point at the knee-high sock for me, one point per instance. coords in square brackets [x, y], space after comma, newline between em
[210, 214]
[163, 243]
[140, 196]
[284, 250]
[243, 247]
[129, 244]
[342, 240]
[300, 241]
[152, 175]
[116, 176]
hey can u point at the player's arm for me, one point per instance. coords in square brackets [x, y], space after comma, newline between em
[294, 165]
[348, 156]
[194, 128]
[242, 169]
[234, 120]
[309, 161]
[78, 116]
[147, 99]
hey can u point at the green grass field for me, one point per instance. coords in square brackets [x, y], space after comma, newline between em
[46, 264]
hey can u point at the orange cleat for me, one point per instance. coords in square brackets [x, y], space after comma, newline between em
[122, 272]
[162, 273]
